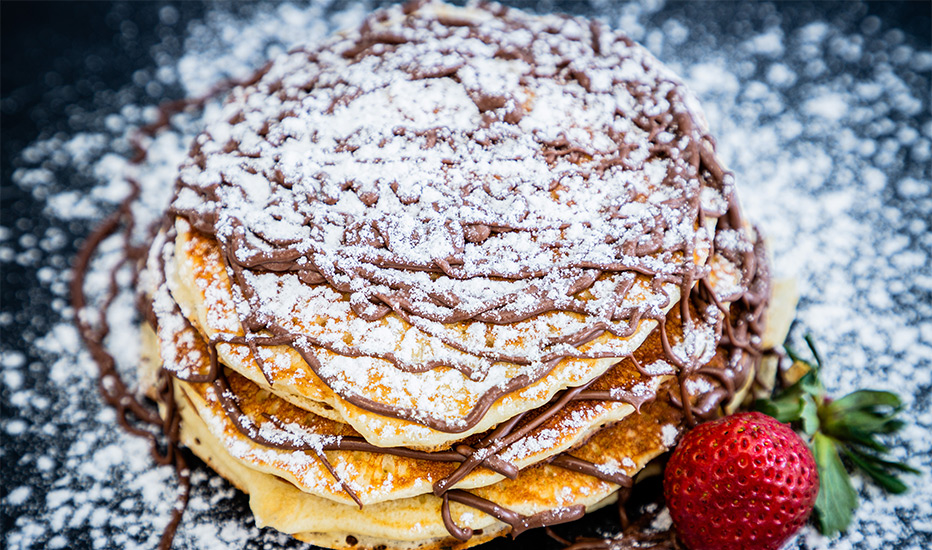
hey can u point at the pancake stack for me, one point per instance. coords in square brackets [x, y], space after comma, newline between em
[456, 274]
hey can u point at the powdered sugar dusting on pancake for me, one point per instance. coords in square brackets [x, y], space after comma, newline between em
[454, 165]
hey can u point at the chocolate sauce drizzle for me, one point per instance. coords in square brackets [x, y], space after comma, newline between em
[642, 251]
[131, 412]
[519, 523]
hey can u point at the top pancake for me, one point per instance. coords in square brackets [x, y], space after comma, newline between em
[446, 210]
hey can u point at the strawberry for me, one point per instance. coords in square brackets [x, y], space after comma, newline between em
[744, 482]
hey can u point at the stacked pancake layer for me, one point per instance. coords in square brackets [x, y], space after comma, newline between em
[458, 273]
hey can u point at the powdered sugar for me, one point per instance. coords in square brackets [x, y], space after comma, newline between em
[669, 433]
[824, 122]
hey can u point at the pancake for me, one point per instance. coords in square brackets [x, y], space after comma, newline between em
[452, 275]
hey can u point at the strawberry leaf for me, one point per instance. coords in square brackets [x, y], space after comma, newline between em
[866, 400]
[858, 438]
[837, 500]
[786, 408]
[809, 416]
[797, 402]
[859, 416]
[859, 422]
[812, 347]
[878, 469]
[899, 466]
[811, 384]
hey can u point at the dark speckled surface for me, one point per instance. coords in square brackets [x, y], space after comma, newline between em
[850, 219]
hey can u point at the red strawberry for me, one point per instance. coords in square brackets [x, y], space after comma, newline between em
[744, 482]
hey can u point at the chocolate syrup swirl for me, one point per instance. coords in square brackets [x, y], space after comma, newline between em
[131, 411]
[132, 414]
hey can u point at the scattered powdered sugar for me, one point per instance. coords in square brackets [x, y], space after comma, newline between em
[825, 122]
[663, 521]
[668, 434]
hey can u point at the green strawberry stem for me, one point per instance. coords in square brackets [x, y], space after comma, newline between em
[850, 427]
[837, 499]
